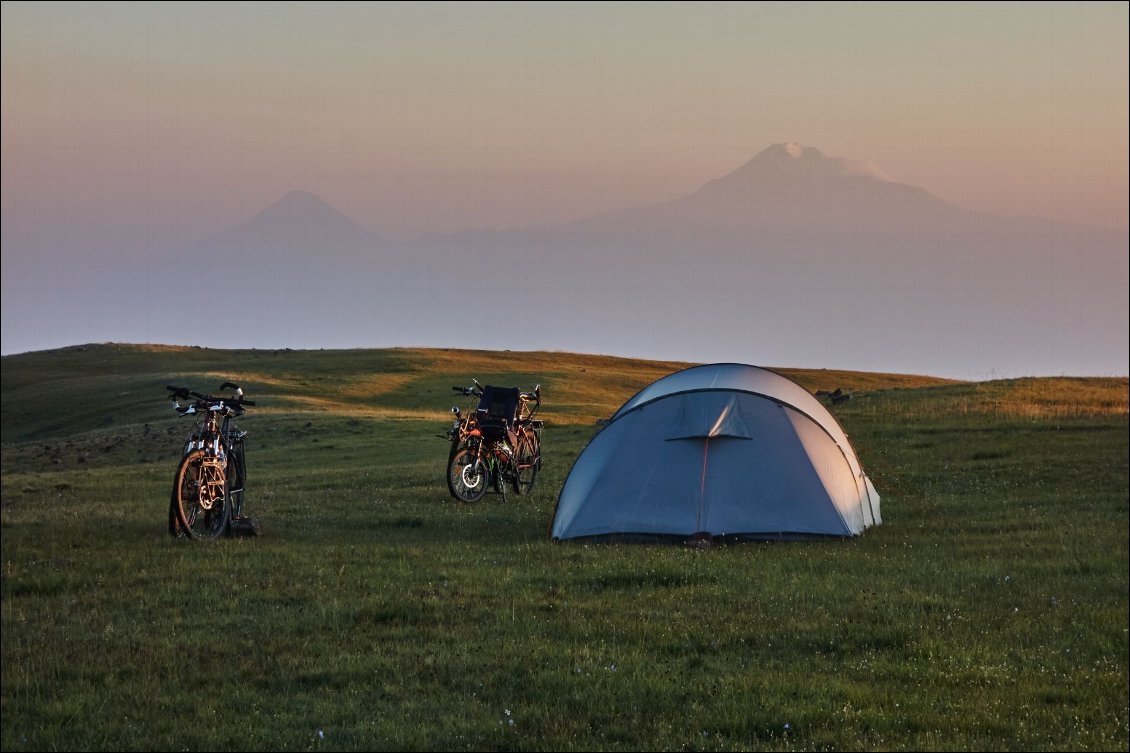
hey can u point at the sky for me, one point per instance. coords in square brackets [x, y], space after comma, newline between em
[129, 123]
[130, 127]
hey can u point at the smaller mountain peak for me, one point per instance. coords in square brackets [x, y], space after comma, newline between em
[298, 199]
[304, 206]
[301, 214]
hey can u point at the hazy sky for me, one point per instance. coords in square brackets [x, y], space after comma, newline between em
[137, 125]
[132, 130]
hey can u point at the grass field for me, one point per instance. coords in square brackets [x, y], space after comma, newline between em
[988, 612]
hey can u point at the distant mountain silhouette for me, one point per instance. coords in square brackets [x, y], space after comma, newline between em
[298, 271]
[300, 228]
[822, 257]
[792, 192]
[802, 165]
[787, 183]
[794, 258]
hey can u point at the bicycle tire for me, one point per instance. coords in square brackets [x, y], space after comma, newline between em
[237, 478]
[528, 463]
[201, 498]
[175, 529]
[467, 476]
[499, 472]
[456, 446]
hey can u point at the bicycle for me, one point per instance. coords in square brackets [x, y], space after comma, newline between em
[208, 489]
[496, 444]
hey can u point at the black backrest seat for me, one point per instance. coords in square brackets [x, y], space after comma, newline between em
[498, 408]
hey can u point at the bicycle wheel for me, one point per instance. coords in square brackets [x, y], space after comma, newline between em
[175, 528]
[529, 463]
[500, 471]
[237, 477]
[174, 523]
[456, 446]
[467, 476]
[201, 496]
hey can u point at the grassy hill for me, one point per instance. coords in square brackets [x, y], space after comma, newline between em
[105, 385]
[988, 612]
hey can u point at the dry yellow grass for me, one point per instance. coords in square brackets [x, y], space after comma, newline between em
[1033, 398]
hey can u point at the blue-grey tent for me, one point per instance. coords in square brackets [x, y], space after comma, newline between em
[721, 450]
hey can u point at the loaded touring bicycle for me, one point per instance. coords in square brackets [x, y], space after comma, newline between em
[495, 445]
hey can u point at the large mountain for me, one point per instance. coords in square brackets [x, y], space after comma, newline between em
[791, 187]
[799, 257]
[794, 258]
[785, 199]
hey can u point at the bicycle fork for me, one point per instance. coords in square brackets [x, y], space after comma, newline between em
[212, 469]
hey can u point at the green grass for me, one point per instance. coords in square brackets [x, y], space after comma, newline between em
[990, 611]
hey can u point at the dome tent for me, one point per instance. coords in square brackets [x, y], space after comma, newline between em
[719, 450]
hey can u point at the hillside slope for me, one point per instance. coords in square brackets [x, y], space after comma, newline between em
[71, 390]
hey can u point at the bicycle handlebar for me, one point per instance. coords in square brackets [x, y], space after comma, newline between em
[184, 393]
[477, 390]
